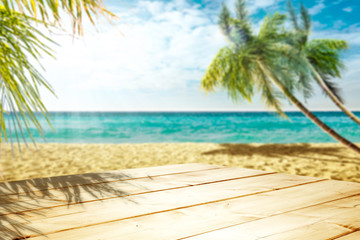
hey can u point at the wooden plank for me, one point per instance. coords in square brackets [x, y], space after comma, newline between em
[331, 223]
[45, 184]
[117, 209]
[316, 231]
[24, 214]
[65, 191]
[182, 222]
[350, 236]
[99, 192]
[324, 221]
[320, 231]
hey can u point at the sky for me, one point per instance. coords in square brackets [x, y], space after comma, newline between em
[153, 57]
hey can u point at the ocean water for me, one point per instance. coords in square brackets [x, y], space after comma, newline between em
[217, 127]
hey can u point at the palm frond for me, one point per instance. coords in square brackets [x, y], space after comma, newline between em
[304, 85]
[236, 30]
[329, 44]
[238, 81]
[49, 11]
[325, 55]
[19, 79]
[241, 32]
[293, 16]
[305, 18]
[299, 37]
[240, 10]
[224, 20]
[333, 87]
[216, 70]
[268, 94]
[270, 28]
[229, 71]
[291, 68]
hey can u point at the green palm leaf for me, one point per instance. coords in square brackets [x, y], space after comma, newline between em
[293, 16]
[19, 79]
[50, 10]
[230, 71]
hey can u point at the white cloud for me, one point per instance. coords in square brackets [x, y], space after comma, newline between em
[337, 2]
[318, 25]
[351, 34]
[350, 82]
[167, 49]
[262, 3]
[339, 24]
[352, 73]
[317, 8]
[347, 9]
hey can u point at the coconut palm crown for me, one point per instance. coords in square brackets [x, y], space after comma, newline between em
[241, 68]
[324, 57]
[263, 62]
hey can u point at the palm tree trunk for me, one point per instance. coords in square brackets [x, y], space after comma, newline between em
[309, 114]
[333, 97]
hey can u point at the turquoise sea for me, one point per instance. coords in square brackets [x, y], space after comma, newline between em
[218, 127]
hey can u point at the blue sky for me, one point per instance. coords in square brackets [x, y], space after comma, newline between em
[155, 55]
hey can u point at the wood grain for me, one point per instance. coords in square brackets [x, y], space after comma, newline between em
[192, 201]
[180, 223]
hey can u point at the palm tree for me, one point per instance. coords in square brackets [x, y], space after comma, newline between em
[323, 56]
[21, 46]
[261, 62]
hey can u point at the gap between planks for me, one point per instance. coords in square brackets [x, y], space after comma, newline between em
[353, 235]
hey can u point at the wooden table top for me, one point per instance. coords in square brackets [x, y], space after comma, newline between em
[188, 201]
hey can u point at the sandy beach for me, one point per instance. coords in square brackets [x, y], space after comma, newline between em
[327, 160]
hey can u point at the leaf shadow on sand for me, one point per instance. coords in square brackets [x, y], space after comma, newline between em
[300, 150]
[38, 198]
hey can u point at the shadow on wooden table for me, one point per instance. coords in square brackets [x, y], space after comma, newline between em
[301, 150]
[35, 197]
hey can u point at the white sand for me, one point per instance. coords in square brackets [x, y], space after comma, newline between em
[320, 160]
